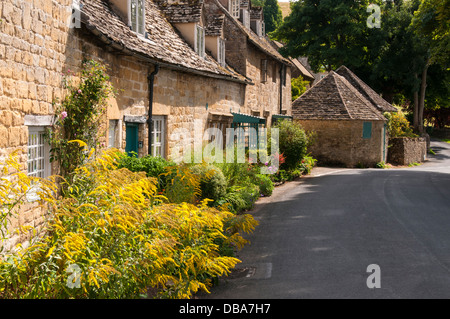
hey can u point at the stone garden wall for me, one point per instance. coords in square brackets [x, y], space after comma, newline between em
[405, 150]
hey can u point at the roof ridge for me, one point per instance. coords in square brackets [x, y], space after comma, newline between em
[332, 73]
[249, 35]
[358, 94]
[367, 91]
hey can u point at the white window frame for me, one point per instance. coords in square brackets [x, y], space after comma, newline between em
[158, 129]
[246, 18]
[221, 53]
[136, 16]
[38, 153]
[200, 40]
[113, 131]
[235, 8]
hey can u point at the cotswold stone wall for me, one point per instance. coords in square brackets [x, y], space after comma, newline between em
[187, 100]
[405, 150]
[33, 40]
[263, 98]
[37, 48]
[341, 142]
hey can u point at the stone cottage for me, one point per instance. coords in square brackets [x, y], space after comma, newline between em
[249, 52]
[172, 69]
[349, 129]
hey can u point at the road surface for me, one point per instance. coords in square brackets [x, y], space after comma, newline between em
[317, 236]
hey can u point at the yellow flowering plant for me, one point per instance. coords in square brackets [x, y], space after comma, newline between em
[112, 236]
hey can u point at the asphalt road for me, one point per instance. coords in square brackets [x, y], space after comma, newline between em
[317, 236]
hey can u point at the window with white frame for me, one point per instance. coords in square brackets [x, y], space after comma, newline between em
[38, 162]
[263, 29]
[221, 59]
[200, 41]
[113, 133]
[234, 8]
[137, 16]
[158, 136]
[246, 18]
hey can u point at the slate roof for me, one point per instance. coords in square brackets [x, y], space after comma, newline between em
[301, 68]
[164, 45]
[261, 43]
[334, 98]
[374, 98]
[181, 11]
[256, 13]
[214, 24]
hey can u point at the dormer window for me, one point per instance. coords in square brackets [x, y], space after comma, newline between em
[235, 8]
[221, 58]
[137, 16]
[245, 16]
[200, 41]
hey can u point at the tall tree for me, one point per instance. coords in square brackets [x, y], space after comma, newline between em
[273, 16]
[431, 23]
[394, 58]
[328, 32]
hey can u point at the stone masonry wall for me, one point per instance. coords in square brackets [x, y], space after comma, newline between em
[264, 97]
[339, 142]
[37, 48]
[405, 151]
[185, 98]
[33, 39]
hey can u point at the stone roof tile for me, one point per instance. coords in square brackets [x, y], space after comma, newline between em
[163, 45]
[334, 98]
[374, 98]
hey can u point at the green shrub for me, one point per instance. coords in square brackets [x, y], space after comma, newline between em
[398, 125]
[240, 199]
[213, 184]
[293, 142]
[152, 166]
[265, 184]
[107, 240]
[307, 164]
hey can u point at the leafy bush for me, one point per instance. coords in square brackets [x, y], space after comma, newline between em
[398, 125]
[265, 184]
[298, 87]
[307, 164]
[152, 166]
[213, 184]
[107, 239]
[240, 199]
[182, 185]
[78, 116]
[293, 142]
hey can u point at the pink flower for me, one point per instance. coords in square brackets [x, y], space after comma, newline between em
[79, 91]
[63, 115]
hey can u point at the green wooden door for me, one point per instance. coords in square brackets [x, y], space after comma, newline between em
[132, 139]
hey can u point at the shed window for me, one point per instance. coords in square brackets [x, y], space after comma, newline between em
[367, 130]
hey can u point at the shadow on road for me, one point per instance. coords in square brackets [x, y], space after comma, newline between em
[317, 237]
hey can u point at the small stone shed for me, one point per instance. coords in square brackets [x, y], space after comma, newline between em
[347, 120]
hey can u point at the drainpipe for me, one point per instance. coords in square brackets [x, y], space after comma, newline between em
[281, 88]
[151, 81]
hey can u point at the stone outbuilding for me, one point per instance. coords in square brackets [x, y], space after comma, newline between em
[347, 122]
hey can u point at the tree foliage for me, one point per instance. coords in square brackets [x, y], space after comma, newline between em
[272, 15]
[394, 59]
